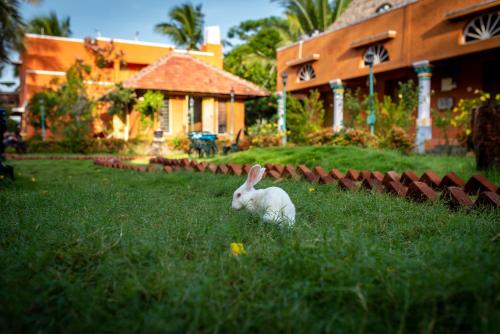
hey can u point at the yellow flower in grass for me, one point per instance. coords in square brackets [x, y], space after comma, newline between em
[311, 190]
[1, 177]
[237, 249]
[33, 179]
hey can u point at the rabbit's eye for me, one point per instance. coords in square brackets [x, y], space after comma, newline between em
[238, 195]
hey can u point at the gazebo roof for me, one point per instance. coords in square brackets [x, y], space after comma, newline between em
[177, 72]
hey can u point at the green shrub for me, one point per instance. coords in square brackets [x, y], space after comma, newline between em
[320, 137]
[397, 138]
[355, 137]
[304, 117]
[179, 143]
[264, 133]
[82, 146]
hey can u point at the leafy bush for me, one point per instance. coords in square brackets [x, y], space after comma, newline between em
[389, 112]
[150, 103]
[354, 137]
[179, 143]
[83, 146]
[397, 138]
[264, 133]
[355, 108]
[462, 113]
[321, 137]
[304, 117]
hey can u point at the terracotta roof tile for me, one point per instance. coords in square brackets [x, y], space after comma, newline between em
[184, 73]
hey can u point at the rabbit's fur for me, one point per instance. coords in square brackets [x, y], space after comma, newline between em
[273, 203]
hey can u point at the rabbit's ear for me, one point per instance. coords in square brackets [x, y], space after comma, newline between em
[254, 176]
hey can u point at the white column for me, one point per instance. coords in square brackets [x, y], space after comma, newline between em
[424, 121]
[279, 96]
[338, 104]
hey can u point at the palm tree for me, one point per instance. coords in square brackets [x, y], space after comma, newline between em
[185, 26]
[50, 25]
[11, 27]
[311, 16]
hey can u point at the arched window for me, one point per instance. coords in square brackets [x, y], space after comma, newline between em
[383, 8]
[306, 73]
[380, 54]
[482, 27]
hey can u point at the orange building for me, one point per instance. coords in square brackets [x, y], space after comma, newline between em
[46, 59]
[451, 47]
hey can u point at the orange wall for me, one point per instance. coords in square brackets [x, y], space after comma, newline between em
[46, 59]
[58, 54]
[423, 33]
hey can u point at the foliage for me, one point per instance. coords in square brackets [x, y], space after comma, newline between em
[354, 137]
[321, 137]
[73, 103]
[261, 108]
[312, 16]
[150, 103]
[400, 113]
[121, 100]
[105, 54]
[462, 112]
[185, 27]
[355, 108]
[49, 98]
[389, 113]
[397, 138]
[442, 120]
[179, 143]
[50, 25]
[11, 28]
[304, 117]
[83, 146]
[93, 249]
[68, 109]
[254, 59]
[264, 133]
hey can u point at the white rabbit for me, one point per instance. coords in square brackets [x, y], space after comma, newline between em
[272, 203]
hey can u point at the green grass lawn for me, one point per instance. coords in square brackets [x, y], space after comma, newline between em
[345, 158]
[84, 249]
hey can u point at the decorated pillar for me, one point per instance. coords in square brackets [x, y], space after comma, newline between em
[424, 122]
[281, 113]
[338, 104]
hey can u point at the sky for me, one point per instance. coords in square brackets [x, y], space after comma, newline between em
[123, 18]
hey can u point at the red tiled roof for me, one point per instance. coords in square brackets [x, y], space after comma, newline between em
[183, 73]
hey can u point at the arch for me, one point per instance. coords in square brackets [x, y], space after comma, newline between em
[379, 52]
[482, 27]
[306, 73]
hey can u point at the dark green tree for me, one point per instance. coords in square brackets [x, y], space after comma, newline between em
[254, 59]
[121, 101]
[74, 106]
[50, 25]
[185, 27]
[47, 98]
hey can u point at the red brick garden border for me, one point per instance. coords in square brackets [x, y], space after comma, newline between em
[451, 190]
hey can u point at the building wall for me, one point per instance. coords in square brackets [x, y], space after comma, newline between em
[46, 59]
[422, 33]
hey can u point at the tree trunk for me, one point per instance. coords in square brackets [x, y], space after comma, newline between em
[486, 136]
